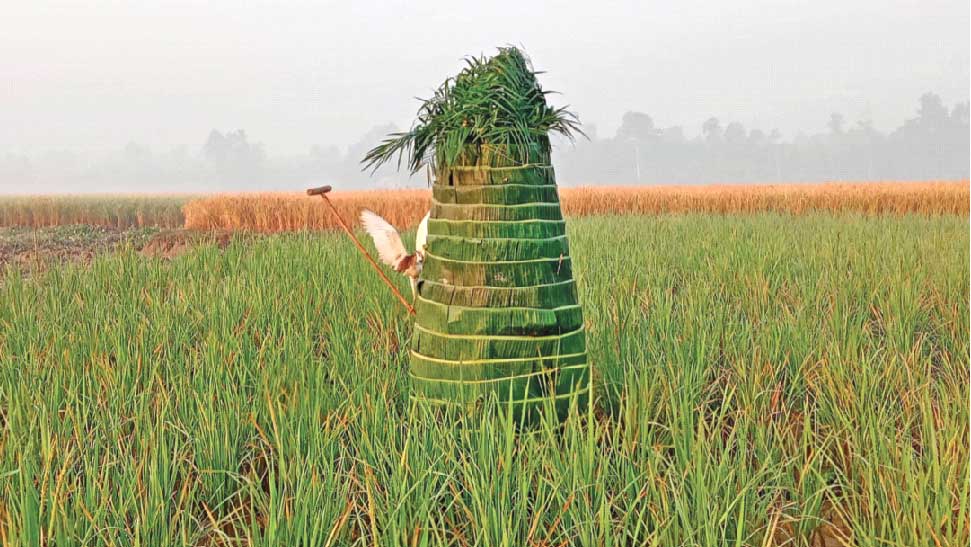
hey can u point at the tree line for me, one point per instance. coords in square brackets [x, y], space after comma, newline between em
[933, 144]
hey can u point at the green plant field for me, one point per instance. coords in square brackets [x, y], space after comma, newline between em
[762, 380]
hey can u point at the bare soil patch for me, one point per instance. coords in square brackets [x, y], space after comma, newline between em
[37, 249]
[172, 243]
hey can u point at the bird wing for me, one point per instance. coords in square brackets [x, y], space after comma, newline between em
[421, 238]
[385, 237]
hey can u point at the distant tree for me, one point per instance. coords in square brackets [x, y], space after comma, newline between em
[932, 113]
[325, 155]
[959, 114]
[135, 153]
[232, 147]
[756, 137]
[673, 135]
[637, 126]
[712, 130]
[836, 122]
[591, 131]
[234, 159]
[216, 148]
[958, 141]
[387, 176]
[735, 134]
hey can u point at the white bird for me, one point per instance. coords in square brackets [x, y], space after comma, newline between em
[392, 251]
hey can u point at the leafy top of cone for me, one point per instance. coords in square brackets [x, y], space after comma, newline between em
[495, 102]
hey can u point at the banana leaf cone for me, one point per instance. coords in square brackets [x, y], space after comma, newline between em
[497, 311]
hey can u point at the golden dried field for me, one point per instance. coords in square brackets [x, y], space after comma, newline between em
[293, 211]
[929, 198]
[277, 212]
[107, 210]
[286, 212]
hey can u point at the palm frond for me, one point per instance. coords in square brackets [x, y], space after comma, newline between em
[495, 102]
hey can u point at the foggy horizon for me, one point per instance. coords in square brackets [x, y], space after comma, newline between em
[90, 82]
[95, 78]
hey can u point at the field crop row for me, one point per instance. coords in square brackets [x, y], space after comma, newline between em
[761, 380]
[289, 212]
[281, 212]
[110, 211]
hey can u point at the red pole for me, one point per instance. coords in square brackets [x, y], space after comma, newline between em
[322, 192]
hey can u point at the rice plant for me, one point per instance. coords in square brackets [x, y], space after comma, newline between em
[113, 211]
[279, 212]
[760, 379]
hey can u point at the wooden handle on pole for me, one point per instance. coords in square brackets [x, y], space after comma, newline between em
[318, 191]
[322, 192]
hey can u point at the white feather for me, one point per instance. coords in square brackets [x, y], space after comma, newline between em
[386, 238]
[421, 238]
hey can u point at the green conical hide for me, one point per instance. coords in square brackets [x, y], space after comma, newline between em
[497, 308]
[497, 311]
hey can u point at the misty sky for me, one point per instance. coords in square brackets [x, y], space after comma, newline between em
[94, 76]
